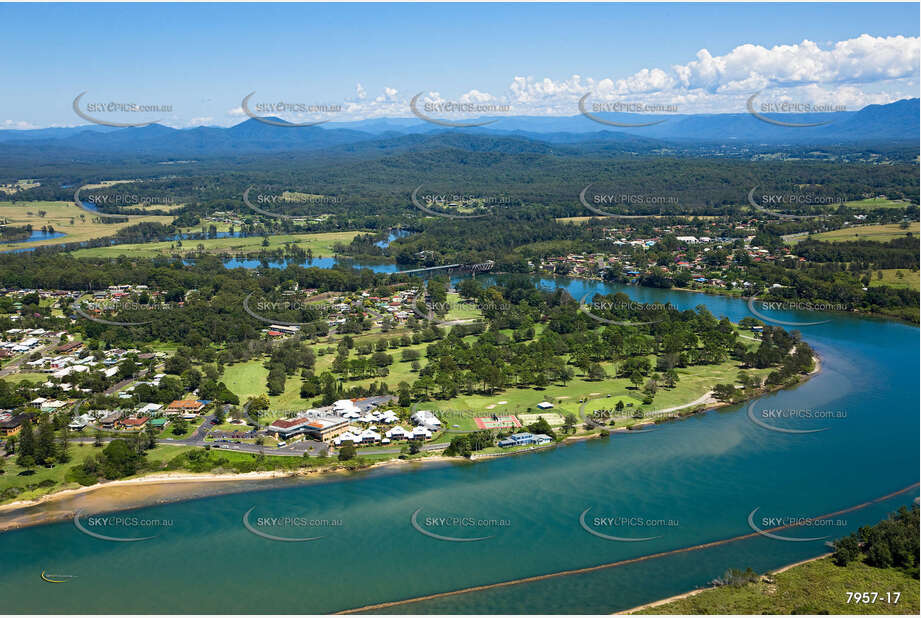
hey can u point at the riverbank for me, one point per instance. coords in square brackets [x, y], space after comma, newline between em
[124, 494]
[160, 487]
[686, 595]
[813, 586]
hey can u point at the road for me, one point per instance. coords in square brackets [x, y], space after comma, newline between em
[15, 363]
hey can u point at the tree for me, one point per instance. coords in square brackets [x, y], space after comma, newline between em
[44, 447]
[847, 550]
[636, 378]
[569, 423]
[26, 445]
[671, 378]
[119, 459]
[347, 451]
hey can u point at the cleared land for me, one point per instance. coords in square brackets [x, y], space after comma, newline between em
[320, 244]
[817, 587]
[880, 233]
[874, 203]
[76, 223]
[891, 278]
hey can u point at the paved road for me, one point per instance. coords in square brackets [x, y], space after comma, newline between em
[14, 364]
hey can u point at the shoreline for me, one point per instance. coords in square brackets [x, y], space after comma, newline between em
[172, 480]
[695, 592]
[181, 479]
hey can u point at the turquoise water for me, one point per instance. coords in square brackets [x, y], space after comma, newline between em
[703, 475]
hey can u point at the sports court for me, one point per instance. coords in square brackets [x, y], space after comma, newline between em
[497, 422]
[551, 417]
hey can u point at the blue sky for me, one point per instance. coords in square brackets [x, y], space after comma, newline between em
[201, 59]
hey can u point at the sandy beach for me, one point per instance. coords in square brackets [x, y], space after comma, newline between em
[161, 488]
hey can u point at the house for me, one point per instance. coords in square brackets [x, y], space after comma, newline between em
[11, 424]
[185, 406]
[108, 421]
[348, 436]
[132, 424]
[427, 419]
[524, 439]
[369, 436]
[149, 408]
[66, 348]
[398, 433]
[420, 433]
[544, 405]
[159, 423]
[80, 422]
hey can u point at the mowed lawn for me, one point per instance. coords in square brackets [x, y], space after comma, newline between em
[694, 383]
[65, 217]
[880, 233]
[320, 244]
[909, 279]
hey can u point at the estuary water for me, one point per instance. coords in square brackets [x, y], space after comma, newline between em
[686, 483]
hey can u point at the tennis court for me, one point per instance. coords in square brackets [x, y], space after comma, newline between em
[497, 422]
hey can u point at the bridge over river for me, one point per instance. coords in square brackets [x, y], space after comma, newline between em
[483, 267]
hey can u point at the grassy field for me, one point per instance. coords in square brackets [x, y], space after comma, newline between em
[320, 244]
[880, 233]
[16, 378]
[876, 203]
[694, 382]
[78, 224]
[909, 279]
[817, 587]
[47, 480]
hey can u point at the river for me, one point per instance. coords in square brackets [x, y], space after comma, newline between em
[686, 483]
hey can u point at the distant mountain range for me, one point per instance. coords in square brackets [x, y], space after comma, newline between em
[895, 122]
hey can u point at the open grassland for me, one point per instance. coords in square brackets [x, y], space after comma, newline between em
[879, 233]
[875, 203]
[76, 223]
[817, 587]
[16, 378]
[320, 244]
[908, 279]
